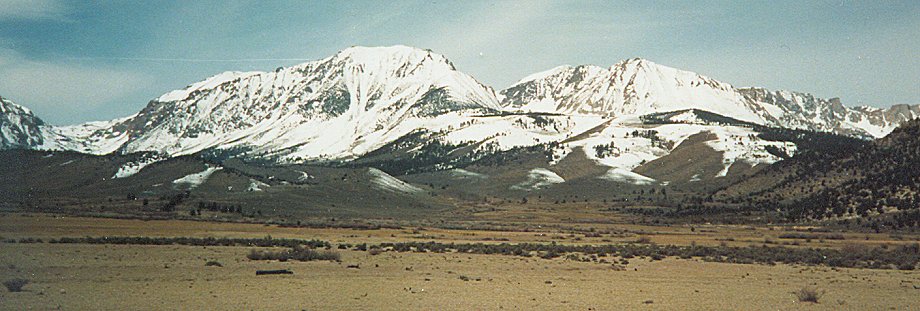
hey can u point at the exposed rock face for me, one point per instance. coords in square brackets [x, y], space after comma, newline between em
[19, 128]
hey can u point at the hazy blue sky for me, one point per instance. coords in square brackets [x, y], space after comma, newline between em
[74, 61]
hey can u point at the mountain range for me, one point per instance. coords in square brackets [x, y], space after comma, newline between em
[405, 110]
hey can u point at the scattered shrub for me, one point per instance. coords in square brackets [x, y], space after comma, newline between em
[263, 242]
[15, 285]
[882, 257]
[808, 294]
[270, 272]
[212, 263]
[298, 253]
[807, 236]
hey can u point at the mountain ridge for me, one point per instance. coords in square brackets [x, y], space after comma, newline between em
[637, 86]
[363, 99]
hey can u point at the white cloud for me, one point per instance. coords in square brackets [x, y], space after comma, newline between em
[32, 9]
[57, 90]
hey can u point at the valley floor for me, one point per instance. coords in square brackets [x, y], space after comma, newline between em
[139, 277]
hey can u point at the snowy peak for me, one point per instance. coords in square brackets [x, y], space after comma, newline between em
[400, 55]
[19, 128]
[329, 108]
[551, 90]
[631, 87]
[381, 69]
[636, 87]
[638, 71]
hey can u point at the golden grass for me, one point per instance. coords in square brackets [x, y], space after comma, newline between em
[125, 277]
[133, 277]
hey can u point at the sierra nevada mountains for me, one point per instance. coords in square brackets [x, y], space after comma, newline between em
[386, 103]
[639, 87]
[345, 104]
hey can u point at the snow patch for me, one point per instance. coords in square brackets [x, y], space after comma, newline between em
[623, 175]
[131, 168]
[304, 176]
[546, 105]
[743, 144]
[383, 181]
[255, 185]
[464, 174]
[539, 178]
[196, 179]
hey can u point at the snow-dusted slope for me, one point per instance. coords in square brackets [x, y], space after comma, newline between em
[539, 178]
[192, 181]
[19, 128]
[384, 181]
[628, 143]
[638, 87]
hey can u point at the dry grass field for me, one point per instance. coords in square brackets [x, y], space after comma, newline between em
[148, 277]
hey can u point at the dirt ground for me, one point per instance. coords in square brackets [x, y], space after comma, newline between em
[132, 277]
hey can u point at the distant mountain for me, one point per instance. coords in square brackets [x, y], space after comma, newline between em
[347, 104]
[637, 87]
[405, 110]
[804, 111]
[631, 87]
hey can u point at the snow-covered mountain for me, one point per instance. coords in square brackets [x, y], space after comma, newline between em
[638, 87]
[805, 111]
[631, 87]
[400, 108]
[334, 108]
[19, 128]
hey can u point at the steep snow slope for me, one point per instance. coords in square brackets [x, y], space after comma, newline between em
[19, 128]
[637, 87]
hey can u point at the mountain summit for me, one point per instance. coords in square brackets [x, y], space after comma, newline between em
[346, 104]
[631, 87]
[638, 87]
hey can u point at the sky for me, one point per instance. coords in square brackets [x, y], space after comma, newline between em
[77, 61]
